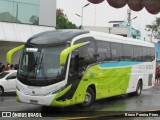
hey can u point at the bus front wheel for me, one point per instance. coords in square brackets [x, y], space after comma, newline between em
[89, 98]
[138, 89]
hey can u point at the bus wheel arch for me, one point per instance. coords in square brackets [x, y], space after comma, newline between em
[139, 88]
[1, 90]
[141, 83]
[90, 96]
[92, 86]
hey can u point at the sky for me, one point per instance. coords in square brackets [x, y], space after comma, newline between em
[101, 14]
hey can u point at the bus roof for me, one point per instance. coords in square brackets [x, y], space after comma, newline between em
[119, 39]
[55, 37]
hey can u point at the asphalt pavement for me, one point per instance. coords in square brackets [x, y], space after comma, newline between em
[148, 101]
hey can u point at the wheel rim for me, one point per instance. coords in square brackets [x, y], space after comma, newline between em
[88, 98]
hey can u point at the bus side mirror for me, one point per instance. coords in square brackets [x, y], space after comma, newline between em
[11, 52]
[64, 54]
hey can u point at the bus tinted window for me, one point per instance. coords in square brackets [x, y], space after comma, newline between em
[86, 52]
[152, 54]
[147, 57]
[116, 51]
[127, 52]
[145, 54]
[138, 53]
[103, 50]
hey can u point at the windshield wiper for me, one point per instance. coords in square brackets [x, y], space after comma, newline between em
[36, 64]
[40, 67]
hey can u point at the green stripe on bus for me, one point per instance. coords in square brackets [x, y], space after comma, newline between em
[59, 95]
[107, 82]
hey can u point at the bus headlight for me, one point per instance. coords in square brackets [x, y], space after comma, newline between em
[17, 88]
[58, 90]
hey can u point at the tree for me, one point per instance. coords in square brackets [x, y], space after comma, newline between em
[154, 27]
[62, 21]
[34, 20]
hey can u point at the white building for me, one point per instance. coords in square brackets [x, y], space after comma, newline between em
[21, 19]
[118, 28]
[111, 30]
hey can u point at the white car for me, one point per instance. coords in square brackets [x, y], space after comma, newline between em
[8, 81]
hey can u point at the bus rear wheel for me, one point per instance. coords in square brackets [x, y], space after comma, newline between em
[89, 98]
[138, 89]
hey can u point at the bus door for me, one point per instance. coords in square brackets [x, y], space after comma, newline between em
[74, 67]
[73, 75]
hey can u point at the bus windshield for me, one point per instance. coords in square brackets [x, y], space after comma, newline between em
[41, 63]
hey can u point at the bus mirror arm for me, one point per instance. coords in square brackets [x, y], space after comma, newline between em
[64, 54]
[11, 52]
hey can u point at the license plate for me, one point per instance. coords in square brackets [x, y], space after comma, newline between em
[33, 101]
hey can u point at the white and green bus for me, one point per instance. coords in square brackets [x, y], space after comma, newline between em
[68, 67]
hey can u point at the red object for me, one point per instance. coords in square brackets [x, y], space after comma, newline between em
[157, 70]
[117, 3]
[7, 68]
[135, 5]
[95, 1]
[152, 6]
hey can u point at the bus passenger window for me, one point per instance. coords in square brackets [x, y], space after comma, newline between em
[116, 51]
[127, 52]
[152, 50]
[103, 50]
[138, 53]
[89, 54]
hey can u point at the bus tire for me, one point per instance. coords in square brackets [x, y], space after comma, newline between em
[89, 98]
[138, 89]
[1, 90]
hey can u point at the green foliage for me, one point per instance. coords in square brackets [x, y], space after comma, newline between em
[34, 20]
[154, 27]
[62, 21]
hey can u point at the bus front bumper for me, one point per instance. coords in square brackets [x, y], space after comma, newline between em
[49, 100]
[41, 100]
